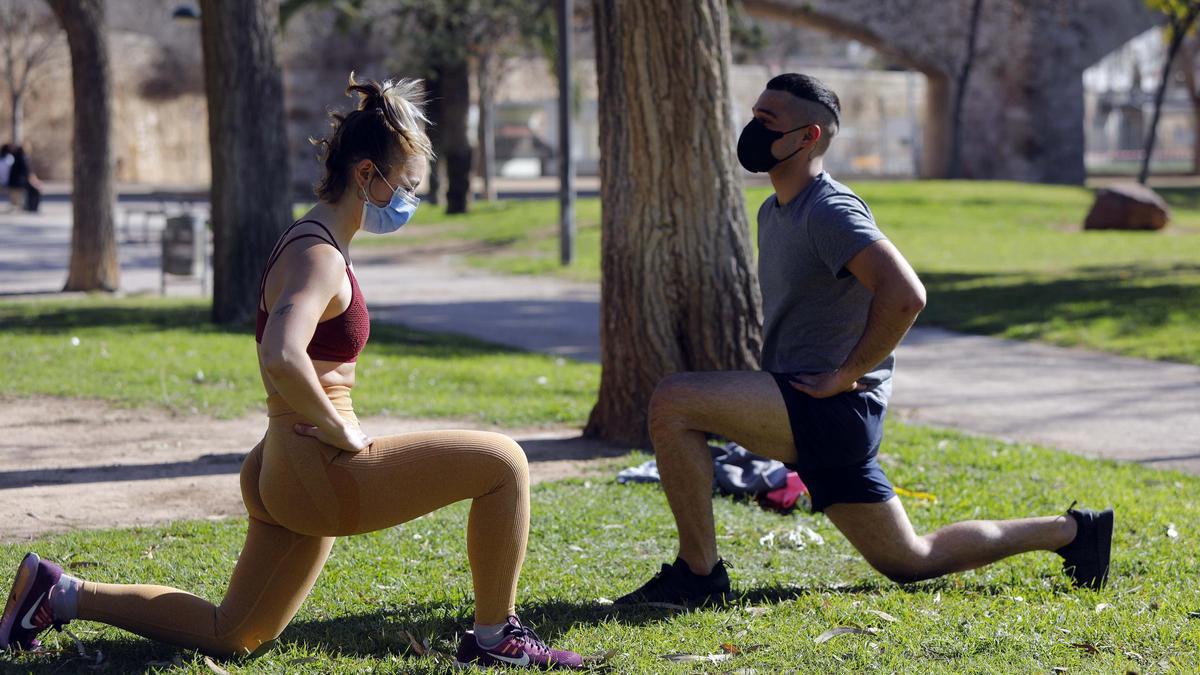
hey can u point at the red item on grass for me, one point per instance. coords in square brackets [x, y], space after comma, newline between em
[785, 498]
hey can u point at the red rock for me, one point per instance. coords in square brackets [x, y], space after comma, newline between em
[1127, 206]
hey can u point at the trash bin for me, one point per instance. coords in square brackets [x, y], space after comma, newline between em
[184, 248]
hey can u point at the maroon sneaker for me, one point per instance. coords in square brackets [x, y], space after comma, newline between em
[521, 647]
[28, 612]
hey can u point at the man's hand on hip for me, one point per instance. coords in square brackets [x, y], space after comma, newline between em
[823, 385]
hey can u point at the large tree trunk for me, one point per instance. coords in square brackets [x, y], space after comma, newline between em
[456, 108]
[679, 289]
[94, 264]
[251, 193]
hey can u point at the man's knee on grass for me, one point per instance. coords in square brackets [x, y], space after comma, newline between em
[904, 565]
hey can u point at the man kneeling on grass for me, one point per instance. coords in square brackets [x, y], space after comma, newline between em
[837, 299]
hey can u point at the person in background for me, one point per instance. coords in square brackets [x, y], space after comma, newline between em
[24, 187]
[6, 163]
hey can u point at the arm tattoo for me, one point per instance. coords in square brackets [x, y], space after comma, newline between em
[283, 311]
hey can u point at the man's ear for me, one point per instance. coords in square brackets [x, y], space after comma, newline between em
[812, 136]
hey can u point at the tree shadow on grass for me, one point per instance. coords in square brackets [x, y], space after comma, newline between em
[23, 318]
[384, 633]
[1134, 298]
[193, 316]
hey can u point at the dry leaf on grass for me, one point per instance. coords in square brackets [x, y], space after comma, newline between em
[422, 648]
[883, 615]
[212, 665]
[417, 647]
[696, 658]
[734, 650]
[599, 658]
[1086, 646]
[96, 657]
[843, 630]
[1102, 606]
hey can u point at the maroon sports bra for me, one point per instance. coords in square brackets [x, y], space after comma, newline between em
[339, 339]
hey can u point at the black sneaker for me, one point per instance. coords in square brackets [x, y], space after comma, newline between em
[1086, 558]
[675, 584]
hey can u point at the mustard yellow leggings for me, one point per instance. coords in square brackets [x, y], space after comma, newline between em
[301, 493]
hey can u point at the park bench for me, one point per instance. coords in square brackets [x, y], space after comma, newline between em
[149, 211]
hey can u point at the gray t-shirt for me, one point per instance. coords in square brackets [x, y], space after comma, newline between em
[814, 309]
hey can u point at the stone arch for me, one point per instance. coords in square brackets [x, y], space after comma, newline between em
[1022, 113]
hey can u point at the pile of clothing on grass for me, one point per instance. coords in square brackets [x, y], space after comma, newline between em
[738, 472]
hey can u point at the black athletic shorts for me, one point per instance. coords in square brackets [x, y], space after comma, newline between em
[837, 441]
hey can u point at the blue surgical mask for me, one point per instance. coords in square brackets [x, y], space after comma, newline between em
[388, 219]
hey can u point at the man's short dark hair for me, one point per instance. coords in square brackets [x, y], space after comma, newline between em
[808, 88]
[819, 105]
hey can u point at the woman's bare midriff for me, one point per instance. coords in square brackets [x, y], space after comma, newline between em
[329, 374]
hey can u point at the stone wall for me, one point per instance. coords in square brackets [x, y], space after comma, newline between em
[157, 140]
[1022, 116]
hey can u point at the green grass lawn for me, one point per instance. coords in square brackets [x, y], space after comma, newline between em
[1004, 259]
[166, 353]
[593, 540]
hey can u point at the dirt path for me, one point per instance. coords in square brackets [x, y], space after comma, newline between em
[69, 464]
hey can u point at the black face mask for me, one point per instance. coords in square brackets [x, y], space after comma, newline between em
[754, 146]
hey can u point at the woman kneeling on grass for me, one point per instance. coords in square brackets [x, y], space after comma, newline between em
[316, 475]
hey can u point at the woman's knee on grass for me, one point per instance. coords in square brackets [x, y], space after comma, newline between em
[239, 644]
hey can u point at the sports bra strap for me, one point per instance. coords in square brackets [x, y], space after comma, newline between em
[282, 244]
[322, 226]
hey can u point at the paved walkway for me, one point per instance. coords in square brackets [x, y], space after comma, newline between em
[1084, 402]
